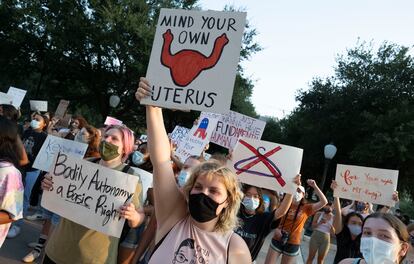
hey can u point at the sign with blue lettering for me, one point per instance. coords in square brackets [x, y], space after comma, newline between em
[194, 59]
[52, 146]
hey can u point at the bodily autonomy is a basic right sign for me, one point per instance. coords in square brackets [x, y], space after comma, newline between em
[194, 59]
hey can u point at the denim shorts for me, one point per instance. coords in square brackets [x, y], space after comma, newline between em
[287, 249]
[54, 218]
[133, 236]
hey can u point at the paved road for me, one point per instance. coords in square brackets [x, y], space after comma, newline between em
[13, 250]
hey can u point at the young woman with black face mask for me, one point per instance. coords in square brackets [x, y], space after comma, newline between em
[195, 225]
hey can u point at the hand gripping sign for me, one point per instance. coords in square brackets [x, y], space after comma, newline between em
[268, 165]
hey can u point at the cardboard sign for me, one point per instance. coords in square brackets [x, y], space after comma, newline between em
[194, 59]
[198, 137]
[265, 164]
[5, 99]
[64, 122]
[146, 180]
[61, 109]
[17, 95]
[366, 184]
[52, 146]
[233, 125]
[89, 194]
[179, 133]
[40, 106]
[109, 121]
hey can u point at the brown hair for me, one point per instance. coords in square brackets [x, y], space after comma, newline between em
[410, 228]
[228, 217]
[94, 140]
[396, 224]
[260, 209]
[82, 121]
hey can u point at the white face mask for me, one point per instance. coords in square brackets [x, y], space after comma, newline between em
[355, 229]
[377, 251]
[297, 197]
[182, 178]
[35, 124]
[251, 203]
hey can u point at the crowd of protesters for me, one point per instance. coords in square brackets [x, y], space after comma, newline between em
[194, 211]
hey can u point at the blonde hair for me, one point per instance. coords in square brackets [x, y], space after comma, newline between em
[228, 217]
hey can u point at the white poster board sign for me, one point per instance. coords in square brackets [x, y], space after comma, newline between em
[52, 146]
[194, 59]
[112, 121]
[366, 184]
[265, 164]
[5, 99]
[146, 180]
[38, 105]
[198, 137]
[89, 194]
[17, 95]
[179, 133]
[233, 125]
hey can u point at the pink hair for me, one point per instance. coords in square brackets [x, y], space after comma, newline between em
[127, 139]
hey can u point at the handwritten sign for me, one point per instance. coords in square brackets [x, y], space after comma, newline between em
[52, 146]
[194, 59]
[233, 125]
[17, 95]
[38, 105]
[61, 109]
[179, 133]
[5, 99]
[109, 121]
[265, 164]
[89, 194]
[198, 137]
[366, 184]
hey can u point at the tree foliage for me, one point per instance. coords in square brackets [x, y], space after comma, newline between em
[86, 50]
[366, 109]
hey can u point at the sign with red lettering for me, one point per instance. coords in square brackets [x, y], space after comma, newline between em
[233, 125]
[366, 184]
[265, 164]
[194, 59]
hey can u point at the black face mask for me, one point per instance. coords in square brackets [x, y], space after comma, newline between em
[202, 208]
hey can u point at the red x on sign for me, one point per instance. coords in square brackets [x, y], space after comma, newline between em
[258, 157]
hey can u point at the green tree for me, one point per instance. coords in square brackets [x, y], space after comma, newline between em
[366, 109]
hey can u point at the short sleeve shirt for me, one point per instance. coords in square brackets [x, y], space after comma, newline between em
[295, 226]
[11, 195]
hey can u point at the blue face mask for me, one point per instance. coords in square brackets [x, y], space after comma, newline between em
[182, 178]
[35, 124]
[266, 202]
[138, 158]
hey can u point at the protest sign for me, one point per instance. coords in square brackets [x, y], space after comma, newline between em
[17, 95]
[265, 164]
[233, 125]
[5, 99]
[194, 59]
[38, 105]
[64, 122]
[366, 184]
[198, 137]
[179, 133]
[146, 180]
[112, 121]
[52, 146]
[61, 109]
[89, 194]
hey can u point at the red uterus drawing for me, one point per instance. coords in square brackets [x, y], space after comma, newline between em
[186, 65]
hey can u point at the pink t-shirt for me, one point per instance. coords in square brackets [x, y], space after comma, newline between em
[186, 243]
[11, 195]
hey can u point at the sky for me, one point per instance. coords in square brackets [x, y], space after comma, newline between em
[302, 39]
